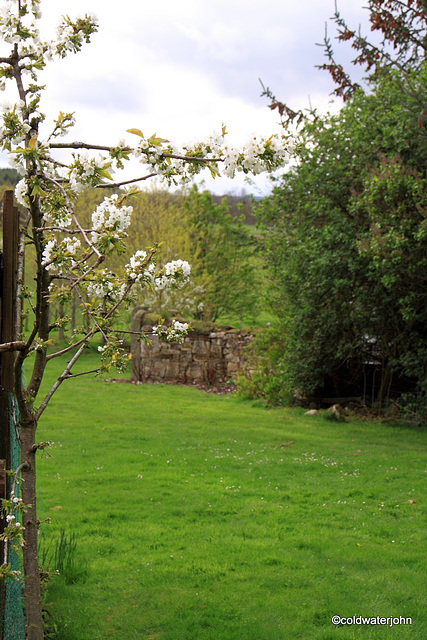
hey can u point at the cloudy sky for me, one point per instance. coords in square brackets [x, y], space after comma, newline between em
[182, 68]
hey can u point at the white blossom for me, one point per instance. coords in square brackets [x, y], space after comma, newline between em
[112, 217]
[48, 252]
[174, 273]
[57, 257]
[134, 267]
[21, 192]
[106, 285]
[173, 333]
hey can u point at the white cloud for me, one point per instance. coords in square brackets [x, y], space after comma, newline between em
[181, 69]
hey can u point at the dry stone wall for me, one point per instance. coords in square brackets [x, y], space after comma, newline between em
[205, 357]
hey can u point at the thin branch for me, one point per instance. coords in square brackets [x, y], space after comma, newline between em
[98, 147]
[129, 332]
[96, 264]
[176, 156]
[74, 217]
[120, 184]
[80, 145]
[90, 314]
[15, 421]
[85, 339]
[64, 375]
[21, 467]
[82, 373]
[62, 229]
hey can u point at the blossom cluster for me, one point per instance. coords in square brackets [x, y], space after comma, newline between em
[85, 171]
[12, 23]
[21, 191]
[15, 127]
[111, 217]
[169, 162]
[18, 27]
[136, 268]
[58, 256]
[142, 269]
[174, 274]
[12, 533]
[72, 35]
[106, 286]
[175, 332]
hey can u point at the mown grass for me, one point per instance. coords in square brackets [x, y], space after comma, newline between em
[203, 517]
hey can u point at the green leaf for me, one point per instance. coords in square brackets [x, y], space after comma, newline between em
[37, 191]
[214, 171]
[105, 174]
[136, 132]
[157, 141]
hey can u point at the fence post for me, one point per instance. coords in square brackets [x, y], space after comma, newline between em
[7, 334]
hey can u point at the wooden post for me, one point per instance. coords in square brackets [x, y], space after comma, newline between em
[8, 310]
[7, 334]
[9, 302]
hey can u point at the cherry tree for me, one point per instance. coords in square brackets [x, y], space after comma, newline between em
[70, 259]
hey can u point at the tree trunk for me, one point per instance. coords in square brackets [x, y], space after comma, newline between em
[61, 333]
[384, 386]
[33, 606]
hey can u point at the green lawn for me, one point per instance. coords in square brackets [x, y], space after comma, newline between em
[204, 517]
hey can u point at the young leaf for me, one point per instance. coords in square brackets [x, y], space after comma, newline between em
[136, 132]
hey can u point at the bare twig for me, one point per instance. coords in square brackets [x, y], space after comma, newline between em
[85, 339]
[83, 373]
[121, 184]
[73, 215]
[64, 375]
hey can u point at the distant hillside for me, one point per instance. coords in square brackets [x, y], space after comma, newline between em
[238, 204]
[9, 177]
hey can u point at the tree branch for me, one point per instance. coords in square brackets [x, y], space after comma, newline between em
[74, 217]
[98, 147]
[120, 184]
[16, 345]
[64, 375]
[82, 373]
[85, 339]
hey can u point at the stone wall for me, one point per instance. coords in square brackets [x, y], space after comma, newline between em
[205, 357]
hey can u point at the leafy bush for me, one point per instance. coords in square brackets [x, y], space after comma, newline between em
[265, 376]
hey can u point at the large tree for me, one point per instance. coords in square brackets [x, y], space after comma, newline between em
[222, 250]
[346, 230]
